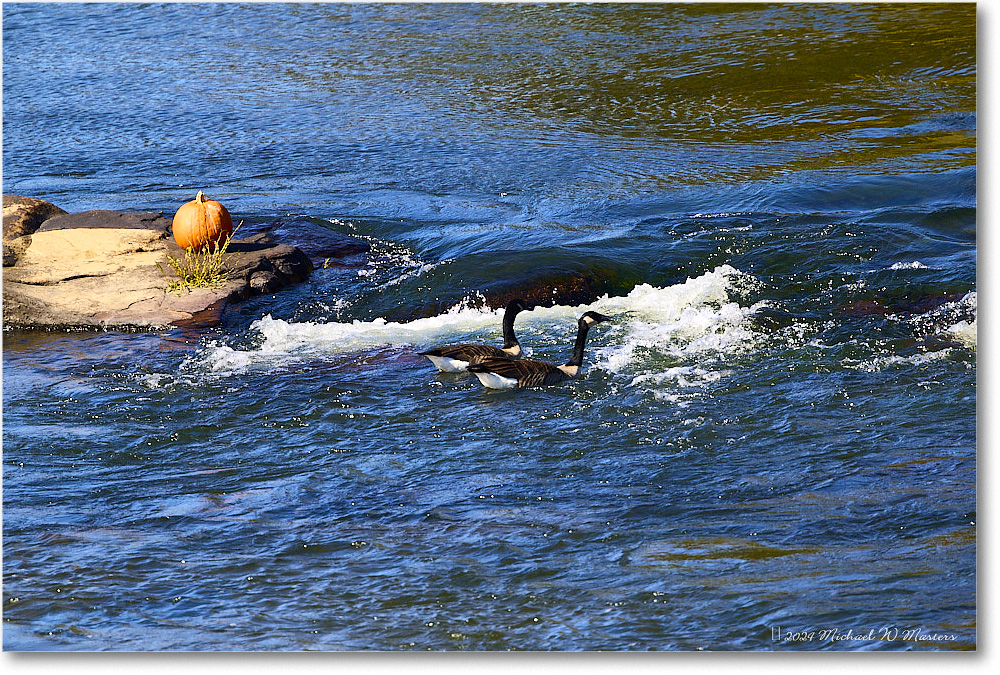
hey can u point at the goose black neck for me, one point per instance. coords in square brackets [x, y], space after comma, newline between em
[509, 340]
[581, 339]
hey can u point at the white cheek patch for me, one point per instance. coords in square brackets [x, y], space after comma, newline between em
[446, 365]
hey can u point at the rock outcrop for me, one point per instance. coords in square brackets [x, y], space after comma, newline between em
[109, 269]
[21, 217]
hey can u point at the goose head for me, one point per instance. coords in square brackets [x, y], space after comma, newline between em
[590, 318]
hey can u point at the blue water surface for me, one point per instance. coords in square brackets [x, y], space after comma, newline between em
[772, 445]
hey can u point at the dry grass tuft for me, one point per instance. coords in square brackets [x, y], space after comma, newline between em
[199, 270]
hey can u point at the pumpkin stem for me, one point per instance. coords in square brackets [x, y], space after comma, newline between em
[200, 198]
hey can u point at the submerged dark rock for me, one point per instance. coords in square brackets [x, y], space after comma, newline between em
[318, 241]
[915, 302]
[547, 288]
[544, 287]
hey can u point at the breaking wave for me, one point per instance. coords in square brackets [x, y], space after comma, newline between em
[673, 340]
[652, 326]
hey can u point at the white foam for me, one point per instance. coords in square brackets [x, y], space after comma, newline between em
[915, 265]
[282, 342]
[681, 376]
[956, 319]
[884, 362]
[683, 321]
[676, 341]
[679, 323]
[939, 321]
[723, 214]
[966, 331]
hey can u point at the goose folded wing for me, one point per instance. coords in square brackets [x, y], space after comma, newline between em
[527, 372]
[466, 352]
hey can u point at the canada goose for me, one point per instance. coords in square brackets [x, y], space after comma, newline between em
[456, 358]
[507, 374]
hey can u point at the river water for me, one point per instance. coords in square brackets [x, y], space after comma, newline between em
[772, 445]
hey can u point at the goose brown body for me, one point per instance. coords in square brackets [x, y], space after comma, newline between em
[527, 372]
[507, 374]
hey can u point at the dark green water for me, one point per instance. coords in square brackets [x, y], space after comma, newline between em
[776, 436]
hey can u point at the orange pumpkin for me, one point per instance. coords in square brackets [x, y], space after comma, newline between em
[202, 222]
